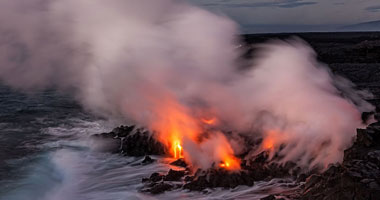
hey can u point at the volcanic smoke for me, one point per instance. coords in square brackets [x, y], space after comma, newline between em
[176, 69]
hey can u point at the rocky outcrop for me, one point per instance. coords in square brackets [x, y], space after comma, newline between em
[210, 178]
[255, 169]
[180, 163]
[358, 177]
[213, 178]
[131, 141]
[260, 168]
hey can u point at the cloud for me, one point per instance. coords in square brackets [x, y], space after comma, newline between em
[339, 3]
[293, 5]
[373, 8]
[272, 4]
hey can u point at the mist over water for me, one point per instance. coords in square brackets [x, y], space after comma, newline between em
[137, 60]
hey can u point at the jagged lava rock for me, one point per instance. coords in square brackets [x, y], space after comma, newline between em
[174, 175]
[179, 162]
[259, 168]
[218, 177]
[358, 177]
[159, 188]
[270, 197]
[148, 160]
[131, 141]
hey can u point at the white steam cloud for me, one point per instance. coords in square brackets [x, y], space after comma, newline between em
[128, 58]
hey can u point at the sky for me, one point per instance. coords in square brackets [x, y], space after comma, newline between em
[294, 15]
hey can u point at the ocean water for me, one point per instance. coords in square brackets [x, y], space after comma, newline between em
[46, 153]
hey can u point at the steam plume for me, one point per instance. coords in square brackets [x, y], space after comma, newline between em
[166, 64]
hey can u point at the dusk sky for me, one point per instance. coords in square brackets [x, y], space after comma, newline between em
[289, 15]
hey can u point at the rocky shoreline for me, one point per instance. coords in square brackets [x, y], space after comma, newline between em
[357, 177]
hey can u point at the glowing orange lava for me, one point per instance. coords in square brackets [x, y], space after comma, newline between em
[209, 121]
[175, 123]
[177, 150]
[226, 164]
[230, 163]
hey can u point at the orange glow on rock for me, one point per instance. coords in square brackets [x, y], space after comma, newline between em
[176, 125]
[268, 143]
[230, 163]
[209, 121]
[173, 125]
[271, 139]
[226, 164]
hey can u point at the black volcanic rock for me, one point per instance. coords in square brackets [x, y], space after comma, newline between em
[366, 116]
[155, 177]
[158, 183]
[270, 197]
[123, 131]
[131, 141]
[159, 188]
[147, 160]
[358, 177]
[214, 178]
[211, 178]
[260, 168]
[174, 175]
[141, 143]
[180, 162]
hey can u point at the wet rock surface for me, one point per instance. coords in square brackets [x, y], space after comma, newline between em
[270, 197]
[256, 169]
[180, 162]
[259, 168]
[214, 178]
[202, 180]
[358, 177]
[158, 188]
[174, 175]
[132, 141]
[148, 160]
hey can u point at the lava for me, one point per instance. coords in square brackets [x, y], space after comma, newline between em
[209, 121]
[225, 164]
[177, 149]
[230, 163]
[182, 132]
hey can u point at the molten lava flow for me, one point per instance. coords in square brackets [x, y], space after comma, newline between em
[177, 149]
[180, 131]
[225, 164]
[174, 124]
[230, 163]
[209, 121]
[222, 151]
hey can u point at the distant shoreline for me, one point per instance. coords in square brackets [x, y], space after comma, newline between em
[311, 32]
